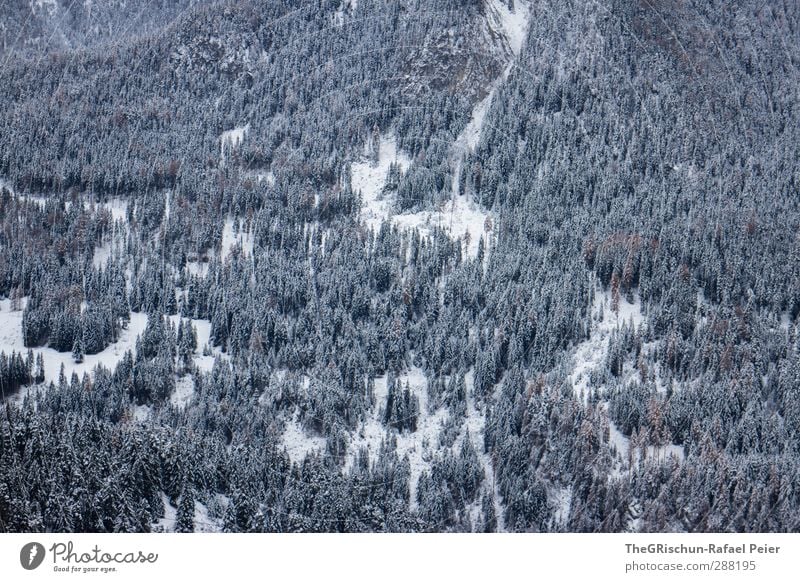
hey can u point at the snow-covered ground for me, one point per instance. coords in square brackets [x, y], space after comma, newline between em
[11, 340]
[591, 354]
[203, 522]
[513, 23]
[115, 246]
[261, 176]
[562, 501]
[203, 328]
[475, 423]
[298, 442]
[184, 390]
[623, 446]
[369, 177]
[167, 523]
[230, 140]
[230, 238]
[141, 412]
[117, 207]
[346, 7]
[418, 445]
[458, 216]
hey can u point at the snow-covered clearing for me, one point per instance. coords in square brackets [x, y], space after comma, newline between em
[203, 522]
[590, 356]
[459, 216]
[117, 207]
[231, 237]
[113, 247]
[623, 446]
[203, 328]
[141, 412]
[184, 390]
[261, 176]
[11, 340]
[197, 268]
[513, 24]
[369, 177]
[298, 442]
[230, 140]
[50, 6]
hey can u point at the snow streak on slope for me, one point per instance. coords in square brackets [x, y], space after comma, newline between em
[513, 24]
[460, 211]
[459, 217]
[298, 442]
[590, 356]
[476, 424]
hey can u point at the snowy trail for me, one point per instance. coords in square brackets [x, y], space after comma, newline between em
[459, 216]
[513, 26]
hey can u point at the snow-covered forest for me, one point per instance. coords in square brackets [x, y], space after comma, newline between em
[399, 265]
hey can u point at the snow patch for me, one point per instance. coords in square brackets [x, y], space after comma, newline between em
[230, 140]
[117, 207]
[417, 445]
[298, 443]
[203, 522]
[50, 6]
[658, 453]
[511, 23]
[369, 177]
[141, 412]
[562, 501]
[231, 238]
[11, 340]
[167, 523]
[590, 355]
[206, 354]
[459, 218]
[476, 424]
